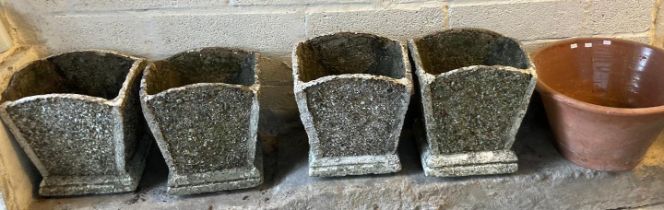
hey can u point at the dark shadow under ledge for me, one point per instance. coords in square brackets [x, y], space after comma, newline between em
[544, 181]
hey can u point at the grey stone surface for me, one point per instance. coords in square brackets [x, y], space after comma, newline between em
[76, 115]
[352, 90]
[545, 180]
[475, 87]
[202, 107]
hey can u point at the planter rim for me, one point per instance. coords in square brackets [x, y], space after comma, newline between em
[412, 43]
[543, 88]
[328, 78]
[253, 87]
[134, 70]
[407, 76]
[459, 29]
[530, 71]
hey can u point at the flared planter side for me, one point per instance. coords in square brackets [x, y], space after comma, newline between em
[77, 117]
[202, 107]
[475, 87]
[352, 91]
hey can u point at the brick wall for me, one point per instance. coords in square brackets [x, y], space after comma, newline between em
[158, 28]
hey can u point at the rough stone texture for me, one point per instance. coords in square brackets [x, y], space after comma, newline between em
[202, 107]
[76, 116]
[545, 180]
[352, 90]
[521, 20]
[395, 23]
[475, 87]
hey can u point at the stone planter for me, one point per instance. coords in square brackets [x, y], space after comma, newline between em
[202, 107]
[353, 91]
[475, 87]
[76, 116]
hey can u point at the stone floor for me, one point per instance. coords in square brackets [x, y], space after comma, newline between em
[544, 181]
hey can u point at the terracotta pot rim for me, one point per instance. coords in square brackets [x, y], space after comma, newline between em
[543, 88]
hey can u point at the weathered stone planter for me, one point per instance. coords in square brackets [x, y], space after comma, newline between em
[475, 87]
[202, 107]
[76, 115]
[352, 90]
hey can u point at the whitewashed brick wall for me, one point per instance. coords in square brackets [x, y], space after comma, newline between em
[158, 28]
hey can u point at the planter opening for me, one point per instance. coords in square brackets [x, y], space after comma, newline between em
[453, 49]
[87, 73]
[211, 65]
[349, 53]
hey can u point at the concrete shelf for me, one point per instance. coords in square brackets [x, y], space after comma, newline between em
[544, 181]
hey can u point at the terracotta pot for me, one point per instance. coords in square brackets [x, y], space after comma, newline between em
[604, 99]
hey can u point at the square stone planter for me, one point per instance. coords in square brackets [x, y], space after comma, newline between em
[352, 90]
[77, 117]
[202, 107]
[475, 87]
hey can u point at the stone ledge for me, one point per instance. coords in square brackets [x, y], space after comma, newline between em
[544, 181]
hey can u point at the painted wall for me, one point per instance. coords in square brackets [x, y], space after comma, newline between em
[159, 28]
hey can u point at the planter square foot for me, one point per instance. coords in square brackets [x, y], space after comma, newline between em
[466, 164]
[343, 166]
[83, 185]
[215, 181]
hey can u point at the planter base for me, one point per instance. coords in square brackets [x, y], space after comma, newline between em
[231, 179]
[343, 166]
[471, 163]
[85, 185]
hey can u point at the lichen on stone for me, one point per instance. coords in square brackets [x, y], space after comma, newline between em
[474, 109]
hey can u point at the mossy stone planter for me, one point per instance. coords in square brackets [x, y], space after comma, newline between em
[77, 117]
[475, 87]
[202, 107]
[352, 90]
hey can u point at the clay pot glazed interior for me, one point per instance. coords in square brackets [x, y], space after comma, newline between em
[604, 99]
